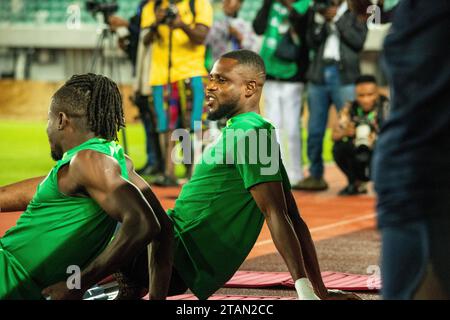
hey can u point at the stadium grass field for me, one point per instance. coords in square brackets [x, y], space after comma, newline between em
[25, 149]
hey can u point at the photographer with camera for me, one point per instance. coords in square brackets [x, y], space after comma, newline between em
[283, 26]
[336, 36]
[177, 32]
[356, 132]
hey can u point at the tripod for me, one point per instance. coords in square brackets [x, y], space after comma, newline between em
[105, 62]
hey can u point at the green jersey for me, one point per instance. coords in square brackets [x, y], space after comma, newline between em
[55, 232]
[216, 219]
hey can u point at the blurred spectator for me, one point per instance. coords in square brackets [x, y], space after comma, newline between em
[356, 132]
[231, 33]
[178, 30]
[130, 40]
[283, 24]
[336, 36]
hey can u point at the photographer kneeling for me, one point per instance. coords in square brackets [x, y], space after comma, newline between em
[356, 132]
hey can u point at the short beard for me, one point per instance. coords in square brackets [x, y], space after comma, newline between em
[224, 111]
[56, 155]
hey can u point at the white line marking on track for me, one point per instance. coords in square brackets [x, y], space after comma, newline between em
[326, 227]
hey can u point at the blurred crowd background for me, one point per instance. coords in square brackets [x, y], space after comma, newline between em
[325, 90]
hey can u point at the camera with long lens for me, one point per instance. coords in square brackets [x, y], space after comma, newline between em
[362, 142]
[171, 14]
[106, 8]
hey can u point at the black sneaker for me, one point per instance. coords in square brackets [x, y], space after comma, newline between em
[165, 181]
[349, 190]
[362, 188]
[149, 170]
[311, 184]
[352, 190]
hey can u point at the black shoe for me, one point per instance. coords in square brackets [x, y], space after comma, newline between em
[149, 170]
[362, 188]
[311, 184]
[351, 190]
[165, 181]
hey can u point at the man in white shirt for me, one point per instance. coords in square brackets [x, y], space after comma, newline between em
[332, 44]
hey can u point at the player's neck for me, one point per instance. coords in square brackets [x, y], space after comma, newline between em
[248, 108]
[76, 139]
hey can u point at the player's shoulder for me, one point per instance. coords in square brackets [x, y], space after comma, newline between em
[250, 120]
[87, 155]
[252, 126]
[88, 162]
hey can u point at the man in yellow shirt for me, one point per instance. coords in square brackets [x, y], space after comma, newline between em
[178, 29]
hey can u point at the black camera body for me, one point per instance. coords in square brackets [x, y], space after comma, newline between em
[171, 14]
[103, 7]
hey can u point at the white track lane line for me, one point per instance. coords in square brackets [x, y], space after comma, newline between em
[326, 227]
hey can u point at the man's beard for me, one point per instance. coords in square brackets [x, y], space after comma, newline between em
[56, 155]
[223, 111]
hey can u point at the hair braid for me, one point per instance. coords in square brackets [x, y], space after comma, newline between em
[103, 103]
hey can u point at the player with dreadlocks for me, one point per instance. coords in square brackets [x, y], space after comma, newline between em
[103, 108]
[62, 243]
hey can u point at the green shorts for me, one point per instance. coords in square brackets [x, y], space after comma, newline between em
[15, 282]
